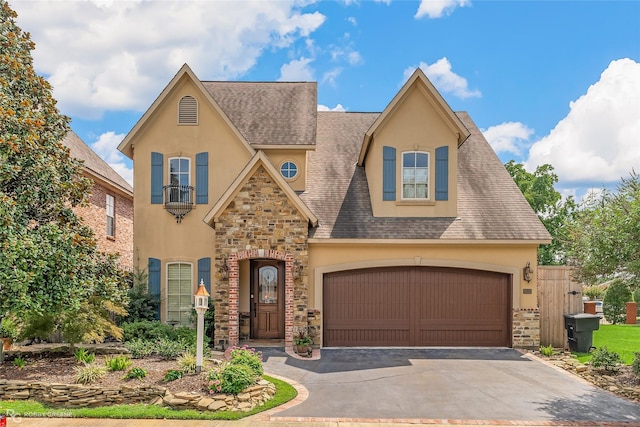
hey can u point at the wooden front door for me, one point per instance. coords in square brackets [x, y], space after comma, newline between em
[267, 299]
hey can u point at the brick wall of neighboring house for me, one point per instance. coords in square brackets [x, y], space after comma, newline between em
[95, 216]
[259, 222]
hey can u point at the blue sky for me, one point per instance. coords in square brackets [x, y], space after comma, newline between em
[553, 82]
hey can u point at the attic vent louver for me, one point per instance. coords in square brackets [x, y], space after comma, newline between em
[188, 111]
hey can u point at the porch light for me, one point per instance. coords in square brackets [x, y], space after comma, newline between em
[201, 305]
[527, 272]
[224, 269]
[297, 269]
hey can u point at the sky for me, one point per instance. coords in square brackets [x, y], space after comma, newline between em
[547, 82]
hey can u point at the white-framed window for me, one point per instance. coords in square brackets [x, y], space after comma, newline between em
[111, 215]
[179, 180]
[179, 293]
[289, 169]
[415, 175]
[188, 111]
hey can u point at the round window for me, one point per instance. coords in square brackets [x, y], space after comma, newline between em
[289, 170]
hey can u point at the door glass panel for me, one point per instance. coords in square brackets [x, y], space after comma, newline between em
[268, 285]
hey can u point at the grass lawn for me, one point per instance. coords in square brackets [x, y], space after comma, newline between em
[284, 393]
[623, 339]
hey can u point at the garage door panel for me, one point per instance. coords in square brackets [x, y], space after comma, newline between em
[416, 306]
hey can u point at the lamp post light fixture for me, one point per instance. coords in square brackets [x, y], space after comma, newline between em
[201, 305]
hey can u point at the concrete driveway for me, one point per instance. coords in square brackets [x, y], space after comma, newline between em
[443, 384]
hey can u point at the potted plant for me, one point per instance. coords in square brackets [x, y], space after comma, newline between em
[8, 332]
[303, 343]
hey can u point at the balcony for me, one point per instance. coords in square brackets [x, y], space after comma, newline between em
[178, 200]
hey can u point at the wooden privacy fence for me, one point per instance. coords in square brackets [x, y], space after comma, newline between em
[558, 294]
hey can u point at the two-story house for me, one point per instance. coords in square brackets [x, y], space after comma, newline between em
[399, 228]
[109, 212]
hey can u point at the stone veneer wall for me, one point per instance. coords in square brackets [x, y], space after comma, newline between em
[95, 216]
[526, 328]
[80, 396]
[260, 222]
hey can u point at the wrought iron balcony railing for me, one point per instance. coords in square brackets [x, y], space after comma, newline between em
[178, 200]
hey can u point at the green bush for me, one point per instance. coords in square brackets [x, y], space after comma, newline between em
[248, 357]
[169, 350]
[117, 363]
[636, 298]
[594, 292]
[83, 355]
[230, 378]
[139, 349]
[603, 358]
[172, 375]
[146, 330]
[89, 373]
[547, 351]
[19, 362]
[135, 373]
[636, 364]
[187, 362]
[615, 301]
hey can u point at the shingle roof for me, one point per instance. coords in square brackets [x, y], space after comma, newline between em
[269, 113]
[99, 168]
[490, 205]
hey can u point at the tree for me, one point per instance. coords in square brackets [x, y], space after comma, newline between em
[604, 237]
[614, 306]
[554, 212]
[49, 263]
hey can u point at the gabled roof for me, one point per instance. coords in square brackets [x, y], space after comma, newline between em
[490, 205]
[126, 146]
[94, 166]
[419, 79]
[259, 159]
[270, 113]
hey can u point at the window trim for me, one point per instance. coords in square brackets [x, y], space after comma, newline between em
[294, 177]
[180, 111]
[169, 173]
[111, 233]
[402, 183]
[166, 290]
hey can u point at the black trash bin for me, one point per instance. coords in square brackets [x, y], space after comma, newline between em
[580, 329]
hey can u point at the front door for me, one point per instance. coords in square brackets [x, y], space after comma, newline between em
[267, 299]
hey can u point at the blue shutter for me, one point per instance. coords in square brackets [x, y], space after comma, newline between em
[157, 167]
[202, 178]
[154, 282]
[388, 173]
[204, 273]
[442, 173]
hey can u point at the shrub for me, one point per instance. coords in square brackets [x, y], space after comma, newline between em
[139, 349]
[636, 364]
[117, 363]
[187, 362]
[135, 373]
[547, 351]
[83, 355]
[89, 373]
[142, 305]
[19, 362]
[615, 301]
[169, 350]
[146, 330]
[594, 292]
[172, 375]
[603, 358]
[636, 298]
[230, 378]
[249, 357]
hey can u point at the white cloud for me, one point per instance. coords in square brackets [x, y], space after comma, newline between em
[298, 70]
[331, 76]
[598, 142]
[439, 8]
[338, 107]
[107, 148]
[508, 137]
[353, 21]
[115, 55]
[445, 80]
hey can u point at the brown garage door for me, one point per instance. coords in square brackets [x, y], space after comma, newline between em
[416, 306]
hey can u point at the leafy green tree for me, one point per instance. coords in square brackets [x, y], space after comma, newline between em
[49, 263]
[614, 306]
[554, 212]
[603, 240]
